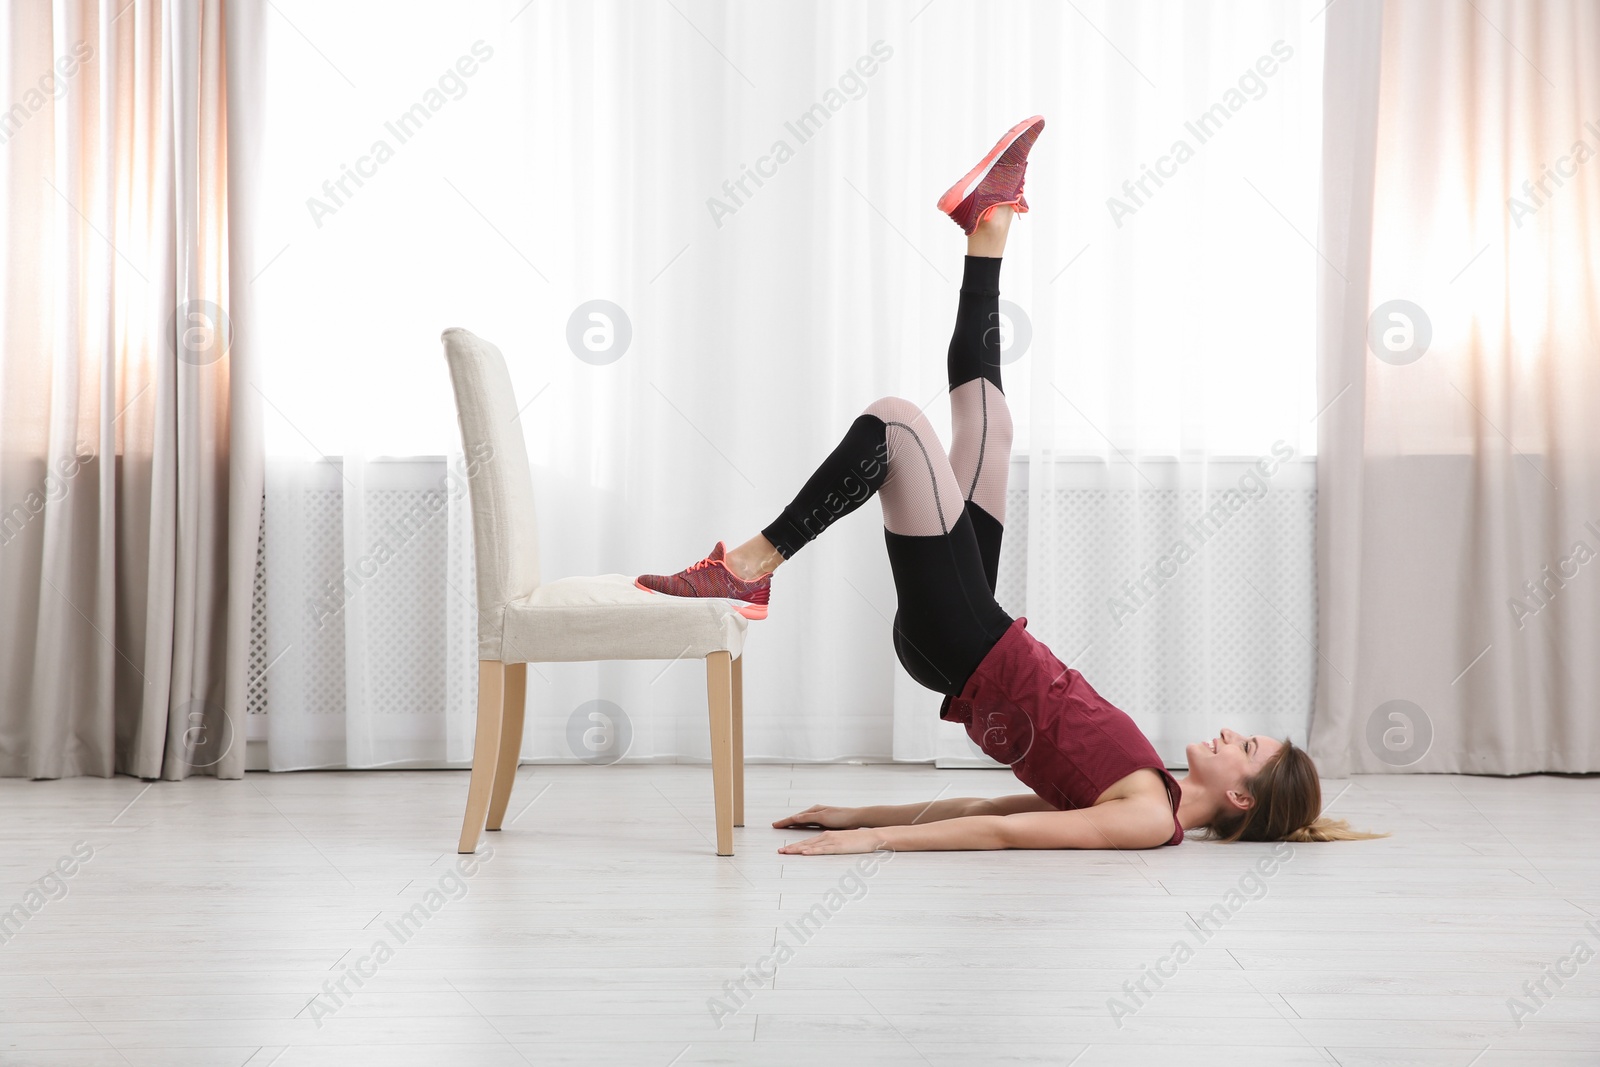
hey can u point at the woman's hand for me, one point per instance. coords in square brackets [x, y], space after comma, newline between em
[829, 818]
[836, 843]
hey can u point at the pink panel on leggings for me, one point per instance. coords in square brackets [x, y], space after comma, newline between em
[920, 494]
[980, 448]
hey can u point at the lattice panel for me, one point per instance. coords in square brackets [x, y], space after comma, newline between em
[321, 648]
[1231, 633]
[405, 603]
[416, 615]
[256, 691]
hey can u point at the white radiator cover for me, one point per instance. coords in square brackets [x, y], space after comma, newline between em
[1229, 639]
[409, 607]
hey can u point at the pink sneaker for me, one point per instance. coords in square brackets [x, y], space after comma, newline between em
[712, 578]
[995, 181]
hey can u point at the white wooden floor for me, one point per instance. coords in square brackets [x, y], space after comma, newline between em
[211, 914]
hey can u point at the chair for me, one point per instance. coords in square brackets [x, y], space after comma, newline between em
[522, 621]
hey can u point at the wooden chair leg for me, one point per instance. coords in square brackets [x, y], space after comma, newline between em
[738, 741]
[485, 751]
[719, 700]
[505, 771]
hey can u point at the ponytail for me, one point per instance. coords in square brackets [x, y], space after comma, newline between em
[1323, 828]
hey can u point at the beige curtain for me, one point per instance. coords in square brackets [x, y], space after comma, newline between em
[1459, 376]
[130, 478]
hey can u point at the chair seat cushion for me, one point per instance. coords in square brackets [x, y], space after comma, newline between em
[605, 616]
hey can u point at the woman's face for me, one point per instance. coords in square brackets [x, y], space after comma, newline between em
[1224, 762]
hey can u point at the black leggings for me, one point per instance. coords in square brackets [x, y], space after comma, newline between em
[943, 516]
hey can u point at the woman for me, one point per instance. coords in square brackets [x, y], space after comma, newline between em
[1097, 781]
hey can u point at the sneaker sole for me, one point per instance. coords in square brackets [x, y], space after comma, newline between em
[743, 607]
[963, 188]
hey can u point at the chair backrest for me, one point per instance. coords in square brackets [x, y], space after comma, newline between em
[505, 539]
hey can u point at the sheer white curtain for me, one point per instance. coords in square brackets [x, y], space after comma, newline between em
[750, 188]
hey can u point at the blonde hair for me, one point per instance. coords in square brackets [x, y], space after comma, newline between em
[1288, 806]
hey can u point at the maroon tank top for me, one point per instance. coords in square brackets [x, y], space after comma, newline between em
[1024, 707]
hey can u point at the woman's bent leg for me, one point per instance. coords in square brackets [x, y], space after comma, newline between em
[947, 618]
[846, 479]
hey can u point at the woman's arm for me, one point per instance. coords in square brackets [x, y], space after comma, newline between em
[1134, 822]
[834, 818]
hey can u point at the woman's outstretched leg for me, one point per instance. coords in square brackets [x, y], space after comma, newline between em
[980, 451]
[942, 523]
[980, 446]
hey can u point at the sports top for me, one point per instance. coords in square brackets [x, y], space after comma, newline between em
[1024, 707]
